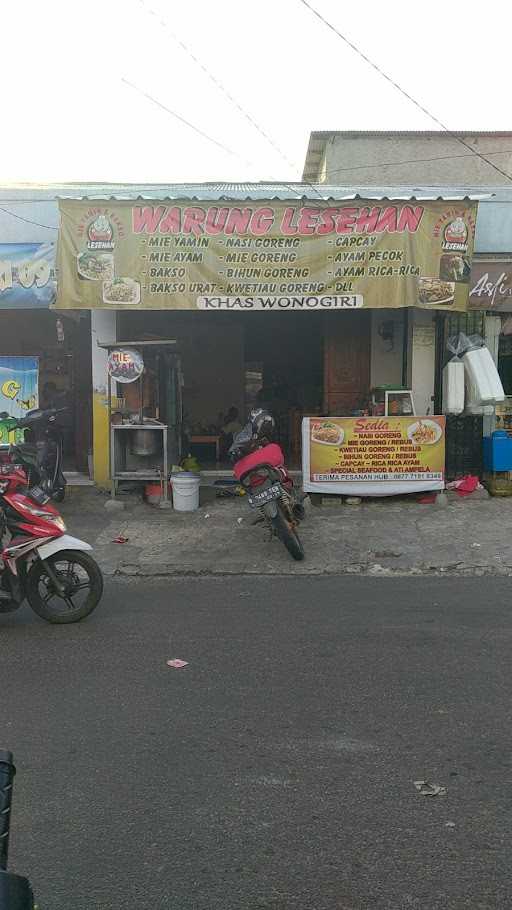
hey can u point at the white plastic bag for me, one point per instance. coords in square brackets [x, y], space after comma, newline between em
[482, 378]
[453, 387]
[483, 375]
[474, 405]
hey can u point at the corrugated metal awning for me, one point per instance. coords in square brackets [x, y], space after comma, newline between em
[240, 192]
[250, 192]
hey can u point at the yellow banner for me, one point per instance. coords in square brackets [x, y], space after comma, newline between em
[265, 255]
[376, 449]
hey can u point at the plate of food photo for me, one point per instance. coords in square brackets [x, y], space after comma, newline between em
[326, 433]
[95, 266]
[424, 432]
[121, 290]
[434, 291]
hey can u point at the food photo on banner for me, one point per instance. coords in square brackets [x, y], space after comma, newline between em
[265, 256]
[27, 275]
[19, 378]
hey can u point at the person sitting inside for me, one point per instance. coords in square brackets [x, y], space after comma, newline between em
[229, 429]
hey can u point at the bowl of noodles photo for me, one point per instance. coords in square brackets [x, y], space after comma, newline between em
[121, 290]
[327, 433]
[424, 432]
[95, 266]
[435, 292]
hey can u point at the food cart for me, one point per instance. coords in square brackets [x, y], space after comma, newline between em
[145, 421]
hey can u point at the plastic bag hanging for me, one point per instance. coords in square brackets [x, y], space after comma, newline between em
[453, 378]
[460, 344]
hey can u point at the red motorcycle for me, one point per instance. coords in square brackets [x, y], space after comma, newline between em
[258, 465]
[38, 560]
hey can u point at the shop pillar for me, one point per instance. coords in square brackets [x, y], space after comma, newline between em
[103, 330]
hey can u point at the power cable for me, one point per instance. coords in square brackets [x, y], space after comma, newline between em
[222, 88]
[196, 129]
[359, 167]
[190, 125]
[28, 220]
[42, 200]
[399, 88]
[227, 94]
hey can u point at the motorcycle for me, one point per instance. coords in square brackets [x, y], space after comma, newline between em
[39, 561]
[258, 465]
[43, 458]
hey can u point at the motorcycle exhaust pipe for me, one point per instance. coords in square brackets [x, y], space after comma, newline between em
[15, 890]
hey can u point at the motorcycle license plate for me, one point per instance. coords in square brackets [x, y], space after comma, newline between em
[259, 499]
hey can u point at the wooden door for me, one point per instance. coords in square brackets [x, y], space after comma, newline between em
[346, 361]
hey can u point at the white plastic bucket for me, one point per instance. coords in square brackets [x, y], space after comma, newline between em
[185, 491]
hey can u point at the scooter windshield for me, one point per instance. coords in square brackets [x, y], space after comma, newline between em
[243, 436]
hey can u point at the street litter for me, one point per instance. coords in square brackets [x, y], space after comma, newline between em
[465, 486]
[450, 825]
[207, 515]
[427, 498]
[426, 788]
[177, 664]
[239, 521]
[120, 539]
[475, 545]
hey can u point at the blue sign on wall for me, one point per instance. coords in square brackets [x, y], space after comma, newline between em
[18, 391]
[27, 275]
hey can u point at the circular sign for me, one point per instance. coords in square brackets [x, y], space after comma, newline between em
[125, 364]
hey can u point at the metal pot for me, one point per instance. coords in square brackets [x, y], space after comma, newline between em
[145, 442]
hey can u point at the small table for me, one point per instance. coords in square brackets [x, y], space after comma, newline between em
[208, 440]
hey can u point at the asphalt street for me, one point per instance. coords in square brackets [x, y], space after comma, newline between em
[276, 771]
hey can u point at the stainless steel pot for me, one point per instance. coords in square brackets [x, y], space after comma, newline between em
[145, 442]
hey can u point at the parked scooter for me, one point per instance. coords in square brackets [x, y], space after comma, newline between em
[43, 457]
[38, 560]
[258, 465]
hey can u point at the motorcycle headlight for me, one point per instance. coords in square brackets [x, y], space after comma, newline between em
[47, 516]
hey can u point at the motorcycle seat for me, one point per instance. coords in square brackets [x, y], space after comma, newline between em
[270, 455]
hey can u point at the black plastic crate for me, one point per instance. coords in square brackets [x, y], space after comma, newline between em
[464, 446]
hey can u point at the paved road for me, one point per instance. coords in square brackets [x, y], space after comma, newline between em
[276, 771]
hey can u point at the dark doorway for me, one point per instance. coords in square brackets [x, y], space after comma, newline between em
[283, 355]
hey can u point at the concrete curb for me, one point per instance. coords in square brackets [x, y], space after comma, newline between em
[138, 571]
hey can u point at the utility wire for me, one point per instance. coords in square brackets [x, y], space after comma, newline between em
[211, 139]
[359, 167]
[399, 88]
[228, 95]
[190, 125]
[28, 220]
[338, 170]
[222, 88]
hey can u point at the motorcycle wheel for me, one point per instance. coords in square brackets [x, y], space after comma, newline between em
[288, 535]
[84, 586]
